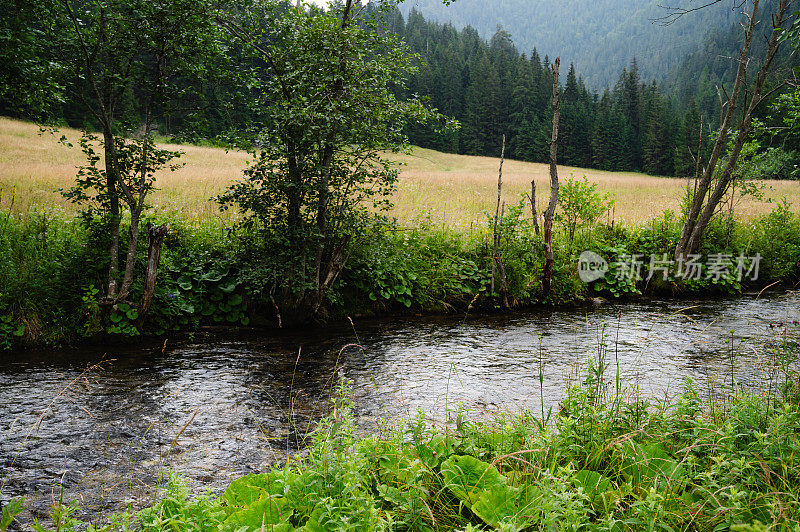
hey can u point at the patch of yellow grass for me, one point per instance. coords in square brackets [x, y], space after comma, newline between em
[452, 190]
[456, 190]
[37, 165]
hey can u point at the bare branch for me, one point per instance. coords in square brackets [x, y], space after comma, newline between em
[673, 13]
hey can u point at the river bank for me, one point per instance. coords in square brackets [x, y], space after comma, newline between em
[53, 266]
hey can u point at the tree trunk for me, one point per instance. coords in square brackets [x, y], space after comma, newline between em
[497, 214]
[687, 243]
[130, 258]
[294, 200]
[322, 213]
[114, 214]
[547, 275]
[332, 271]
[500, 267]
[534, 214]
[155, 239]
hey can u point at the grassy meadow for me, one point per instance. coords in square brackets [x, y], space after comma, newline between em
[449, 190]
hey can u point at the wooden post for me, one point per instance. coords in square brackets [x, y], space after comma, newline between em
[497, 212]
[547, 274]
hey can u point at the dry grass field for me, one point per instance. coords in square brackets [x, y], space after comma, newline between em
[452, 190]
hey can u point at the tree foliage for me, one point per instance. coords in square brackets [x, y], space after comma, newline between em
[330, 111]
[123, 65]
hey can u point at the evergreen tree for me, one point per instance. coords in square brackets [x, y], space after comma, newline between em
[687, 143]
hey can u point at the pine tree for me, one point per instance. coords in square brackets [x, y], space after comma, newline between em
[688, 141]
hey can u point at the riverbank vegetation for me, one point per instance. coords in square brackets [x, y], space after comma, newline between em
[215, 272]
[608, 459]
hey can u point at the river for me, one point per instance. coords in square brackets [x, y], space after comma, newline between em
[103, 426]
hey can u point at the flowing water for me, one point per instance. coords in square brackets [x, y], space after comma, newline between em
[103, 426]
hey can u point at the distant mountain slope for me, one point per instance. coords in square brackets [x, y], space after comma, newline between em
[599, 36]
[715, 62]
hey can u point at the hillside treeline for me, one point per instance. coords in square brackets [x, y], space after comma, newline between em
[600, 37]
[492, 89]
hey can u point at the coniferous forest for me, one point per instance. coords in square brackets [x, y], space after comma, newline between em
[492, 88]
[600, 37]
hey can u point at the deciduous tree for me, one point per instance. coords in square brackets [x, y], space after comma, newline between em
[129, 64]
[320, 176]
[719, 173]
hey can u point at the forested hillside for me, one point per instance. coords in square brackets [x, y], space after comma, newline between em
[713, 63]
[600, 37]
[494, 90]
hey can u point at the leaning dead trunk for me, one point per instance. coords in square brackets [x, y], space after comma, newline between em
[497, 215]
[534, 214]
[549, 260]
[701, 209]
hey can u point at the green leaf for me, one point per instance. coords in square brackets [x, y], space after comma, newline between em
[247, 490]
[268, 512]
[598, 488]
[230, 287]
[467, 477]
[185, 283]
[213, 277]
[649, 466]
[502, 504]
[592, 482]
[9, 512]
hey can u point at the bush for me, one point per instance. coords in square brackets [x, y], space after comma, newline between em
[580, 204]
[776, 237]
[773, 163]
